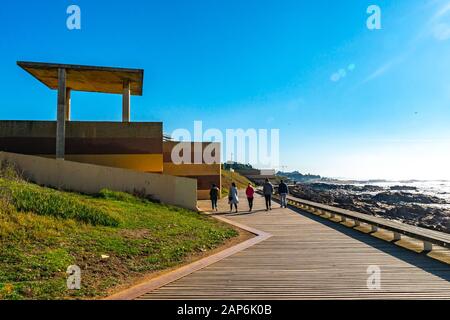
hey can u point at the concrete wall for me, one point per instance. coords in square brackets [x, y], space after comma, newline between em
[135, 145]
[90, 179]
[206, 174]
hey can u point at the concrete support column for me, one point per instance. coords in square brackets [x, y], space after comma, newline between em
[427, 246]
[68, 100]
[397, 236]
[126, 101]
[374, 229]
[61, 115]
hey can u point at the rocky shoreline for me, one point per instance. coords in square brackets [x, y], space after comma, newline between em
[400, 203]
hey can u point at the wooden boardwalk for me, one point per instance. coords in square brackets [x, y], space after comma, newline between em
[308, 257]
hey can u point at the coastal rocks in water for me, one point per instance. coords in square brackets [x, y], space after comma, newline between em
[413, 208]
[397, 197]
[344, 187]
[431, 218]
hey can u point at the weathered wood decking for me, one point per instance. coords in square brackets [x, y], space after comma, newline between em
[309, 257]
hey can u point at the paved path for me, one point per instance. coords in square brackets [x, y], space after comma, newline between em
[309, 257]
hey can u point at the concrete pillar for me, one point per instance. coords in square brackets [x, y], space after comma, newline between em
[357, 223]
[68, 100]
[126, 101]
[427, 246]
[61, 115]
[397, 236]
[374, 228]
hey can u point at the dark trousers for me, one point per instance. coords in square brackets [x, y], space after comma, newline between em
[268, 201]
[214, 203]
[250, 203]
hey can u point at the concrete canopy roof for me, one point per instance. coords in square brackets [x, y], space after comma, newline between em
[87, 78]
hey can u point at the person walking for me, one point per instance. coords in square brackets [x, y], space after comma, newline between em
[283, 191]
[233, 198]
[268, 192]
[214, 196]
[250, 192]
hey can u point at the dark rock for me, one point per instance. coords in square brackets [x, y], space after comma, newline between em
[398, 197]
[403, 188]
[411, 208]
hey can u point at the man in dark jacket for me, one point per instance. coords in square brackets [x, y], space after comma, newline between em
[283, 191]
[214, 196]
[268, 191]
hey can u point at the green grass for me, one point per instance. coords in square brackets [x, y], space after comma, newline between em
[27, 197]
[43, 231]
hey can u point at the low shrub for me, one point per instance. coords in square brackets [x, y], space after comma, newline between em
[117, 196]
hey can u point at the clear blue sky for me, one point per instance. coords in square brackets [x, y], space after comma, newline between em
[257, 64]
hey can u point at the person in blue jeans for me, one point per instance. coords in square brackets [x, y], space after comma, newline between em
[233, 198]
[283, 191]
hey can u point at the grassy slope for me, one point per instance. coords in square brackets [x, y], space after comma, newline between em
[229, 177]
[43, 231]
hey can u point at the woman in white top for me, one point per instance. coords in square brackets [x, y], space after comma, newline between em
[233, 198]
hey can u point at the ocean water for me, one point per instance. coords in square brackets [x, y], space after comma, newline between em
[440, 189]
